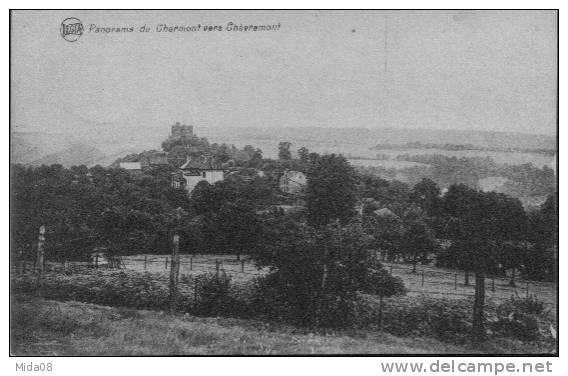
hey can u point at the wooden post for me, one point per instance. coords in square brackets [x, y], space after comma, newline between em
[145, 261]
[527, 289]
[217, 269]
[381, 311]
[40, 260]
[478, 326]
[191, 263]
[96, 260]
[390, 269]
[174, 273]
[194, 294]
[422, 278]
[512, 281]
[242, 266]
[493, 284]
[166, 262]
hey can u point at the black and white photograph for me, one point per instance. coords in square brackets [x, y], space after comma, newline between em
[284, 183]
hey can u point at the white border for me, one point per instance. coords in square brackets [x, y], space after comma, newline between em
[252, 366]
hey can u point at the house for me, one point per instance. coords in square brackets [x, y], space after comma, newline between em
[193, 171]
[292, 182]
[134, 167]
[157, 159]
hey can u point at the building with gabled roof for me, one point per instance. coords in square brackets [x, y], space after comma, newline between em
[193, 171]
[132, 167]
[292, 182]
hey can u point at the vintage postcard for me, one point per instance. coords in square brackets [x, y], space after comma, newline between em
[291, 182]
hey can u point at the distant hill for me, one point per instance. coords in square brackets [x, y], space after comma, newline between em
[357, 141]
[74, 155]
[115, 140]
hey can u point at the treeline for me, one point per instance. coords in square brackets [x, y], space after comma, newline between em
[523, 180]
[128, 213]
[179, 149]
[462, 147]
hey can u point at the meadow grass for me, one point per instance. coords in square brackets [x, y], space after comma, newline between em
[45, 327]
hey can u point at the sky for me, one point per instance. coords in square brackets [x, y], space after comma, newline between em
[464, 70]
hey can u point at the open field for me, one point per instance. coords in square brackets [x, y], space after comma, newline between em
[386, 163]
[428, 280]
[51, 328]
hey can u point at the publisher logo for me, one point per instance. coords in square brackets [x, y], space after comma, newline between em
[71, 29]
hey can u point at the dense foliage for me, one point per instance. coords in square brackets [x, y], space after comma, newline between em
[84, 208]
[316, 273]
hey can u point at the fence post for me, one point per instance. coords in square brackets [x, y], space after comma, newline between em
[242, 266]
[381, 311]
[96, 261]
[191, 263]
[493, 284]
[40, 259]
[174, 273]
[166, 262]
[422, 278]
[527, 289]
[217, 268]
[145, 261]
[195, 294]
[390, 269]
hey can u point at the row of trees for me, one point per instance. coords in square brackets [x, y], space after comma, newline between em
[522, 180]
[132, 213]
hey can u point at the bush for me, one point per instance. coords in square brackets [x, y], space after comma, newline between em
[143, 290]
[517, 325]
[446, 319]
[213, 294]
[530, 305]
[518, 318]
[99, 286]
[316, 274]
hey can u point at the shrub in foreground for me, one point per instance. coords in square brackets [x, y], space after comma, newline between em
[518, 318]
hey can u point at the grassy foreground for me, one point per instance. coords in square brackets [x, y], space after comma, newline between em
[45, 327]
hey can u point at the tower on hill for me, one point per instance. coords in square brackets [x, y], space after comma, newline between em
[181, 130]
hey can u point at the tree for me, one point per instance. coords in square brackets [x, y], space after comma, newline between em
[223, 154]
[315, 273]
[238, 228]
[256, 159]
[304, 154]
[511, 257]
[541, 260]
[479, 224]
[386, 233]
[418, 241]
[426, 194]
[330, 191]
[284, 153]
[544, 223]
